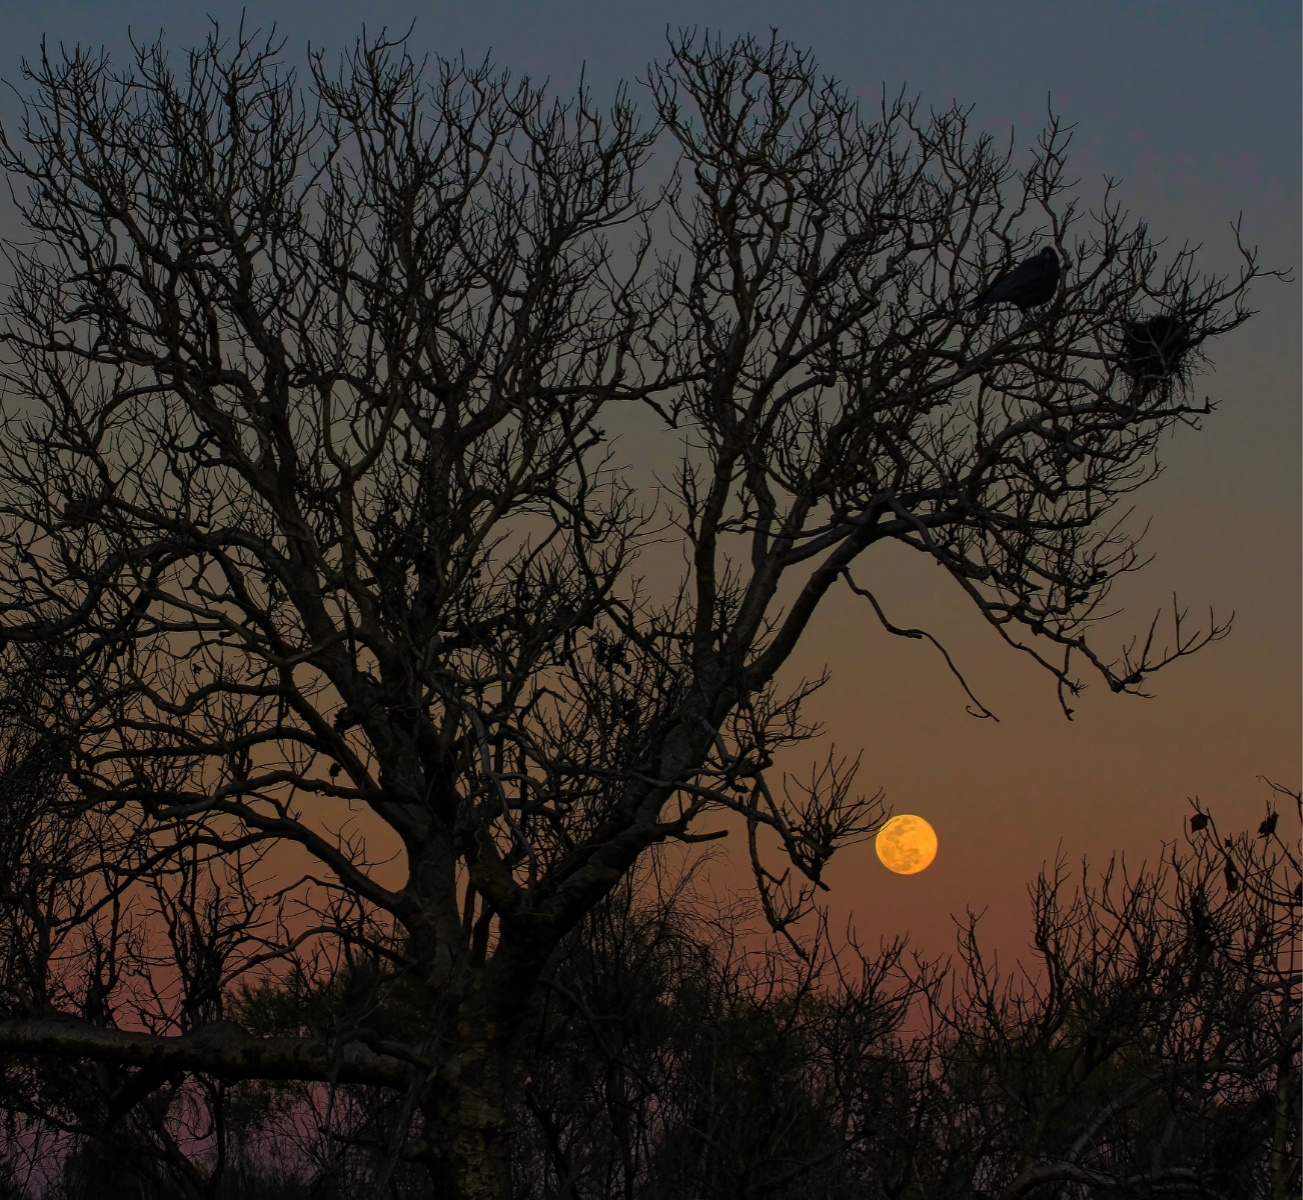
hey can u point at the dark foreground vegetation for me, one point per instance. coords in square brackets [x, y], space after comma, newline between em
[1149, 1046]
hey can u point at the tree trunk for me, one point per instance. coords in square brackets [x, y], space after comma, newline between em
[467, 1147]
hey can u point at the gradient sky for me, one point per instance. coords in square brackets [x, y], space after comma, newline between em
[1195, 107]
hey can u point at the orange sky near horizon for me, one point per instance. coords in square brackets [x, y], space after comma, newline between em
[1004, 797]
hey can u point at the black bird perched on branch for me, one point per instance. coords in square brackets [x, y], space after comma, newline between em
[1031, 283]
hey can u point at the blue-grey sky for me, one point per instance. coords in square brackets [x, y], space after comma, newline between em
[1195, 108]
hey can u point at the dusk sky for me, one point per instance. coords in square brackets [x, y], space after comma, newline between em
[1194, 107]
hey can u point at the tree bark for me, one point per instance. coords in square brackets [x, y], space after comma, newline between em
[220, 1048]
[466, 1145]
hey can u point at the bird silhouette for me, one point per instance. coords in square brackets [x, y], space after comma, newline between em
[1198, 821]
[1268, 827]
[1031, 283]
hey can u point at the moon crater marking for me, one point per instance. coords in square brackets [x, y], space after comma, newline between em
[906, 844]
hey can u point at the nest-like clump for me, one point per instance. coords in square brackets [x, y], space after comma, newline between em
[1153, 352]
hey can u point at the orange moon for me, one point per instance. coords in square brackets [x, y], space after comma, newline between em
[906, 845]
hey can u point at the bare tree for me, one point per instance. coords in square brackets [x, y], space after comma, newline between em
[1151, 1046]
[304, 468]
[671, 1059]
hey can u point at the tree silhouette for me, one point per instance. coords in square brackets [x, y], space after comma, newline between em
[1150, 1043]
[305, 472]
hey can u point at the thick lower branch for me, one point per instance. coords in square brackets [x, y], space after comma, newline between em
[221, 1049]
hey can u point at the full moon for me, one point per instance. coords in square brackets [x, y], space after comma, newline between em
[906, 845]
